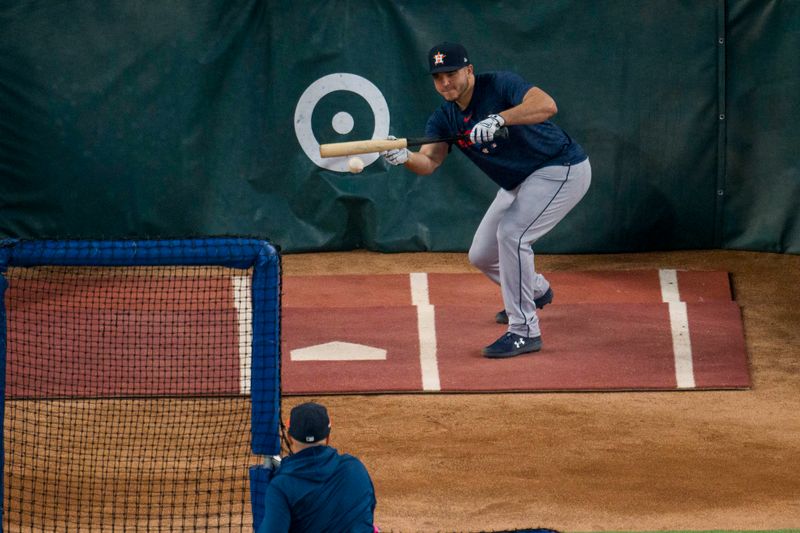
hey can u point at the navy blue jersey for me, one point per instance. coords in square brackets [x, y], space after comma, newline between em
[528, 148]
[317, 489]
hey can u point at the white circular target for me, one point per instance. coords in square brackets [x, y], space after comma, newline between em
[342, 122]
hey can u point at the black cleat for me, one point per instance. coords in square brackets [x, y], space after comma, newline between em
[501, 317]
[541, 301]
[511, 344]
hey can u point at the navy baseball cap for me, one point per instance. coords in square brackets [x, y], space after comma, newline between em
[309, 422]
[447, 57]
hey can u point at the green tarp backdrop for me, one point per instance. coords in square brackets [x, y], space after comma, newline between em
[202, 117]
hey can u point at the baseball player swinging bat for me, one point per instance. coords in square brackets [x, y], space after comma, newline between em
[379, 145]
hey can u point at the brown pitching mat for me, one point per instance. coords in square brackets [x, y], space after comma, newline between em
[602, 287]
[613, 330]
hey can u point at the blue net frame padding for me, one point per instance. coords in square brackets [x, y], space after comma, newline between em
[260, 476]
[3, 285]
[228, 252]
[232, 252]
[265, 392]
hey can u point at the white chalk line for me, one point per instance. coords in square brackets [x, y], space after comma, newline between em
[426, 326]
[679, 326]
[242, 301]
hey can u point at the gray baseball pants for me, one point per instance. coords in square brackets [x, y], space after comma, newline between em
[501, 247]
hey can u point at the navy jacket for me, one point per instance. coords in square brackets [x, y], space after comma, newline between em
[317, 490]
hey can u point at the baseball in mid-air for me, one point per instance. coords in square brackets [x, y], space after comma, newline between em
[355, 164]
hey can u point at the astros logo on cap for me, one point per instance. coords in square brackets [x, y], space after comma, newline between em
[438, 58]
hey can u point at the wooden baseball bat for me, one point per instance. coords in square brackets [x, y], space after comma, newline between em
[379, 145]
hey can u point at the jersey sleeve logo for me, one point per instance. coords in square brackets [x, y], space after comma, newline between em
[463, 141]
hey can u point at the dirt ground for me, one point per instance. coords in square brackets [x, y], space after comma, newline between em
[589, 461]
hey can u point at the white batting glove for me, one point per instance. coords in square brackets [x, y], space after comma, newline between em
[395, 157]
[483, 131]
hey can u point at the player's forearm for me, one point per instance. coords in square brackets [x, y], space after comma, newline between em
[420, 163]
[536, 107]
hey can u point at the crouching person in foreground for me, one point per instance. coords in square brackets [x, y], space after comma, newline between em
[316, 488]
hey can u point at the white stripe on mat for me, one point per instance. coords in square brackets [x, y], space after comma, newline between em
[679, 325]
[426, 325]
[244, 310]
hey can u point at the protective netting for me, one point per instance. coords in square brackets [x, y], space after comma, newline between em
[128, 393]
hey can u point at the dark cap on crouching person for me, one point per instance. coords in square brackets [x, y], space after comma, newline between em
[309, 423]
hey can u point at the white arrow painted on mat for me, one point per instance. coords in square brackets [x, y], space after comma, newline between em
[338, 351]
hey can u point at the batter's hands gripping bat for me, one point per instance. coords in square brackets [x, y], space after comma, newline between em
[380, 145]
